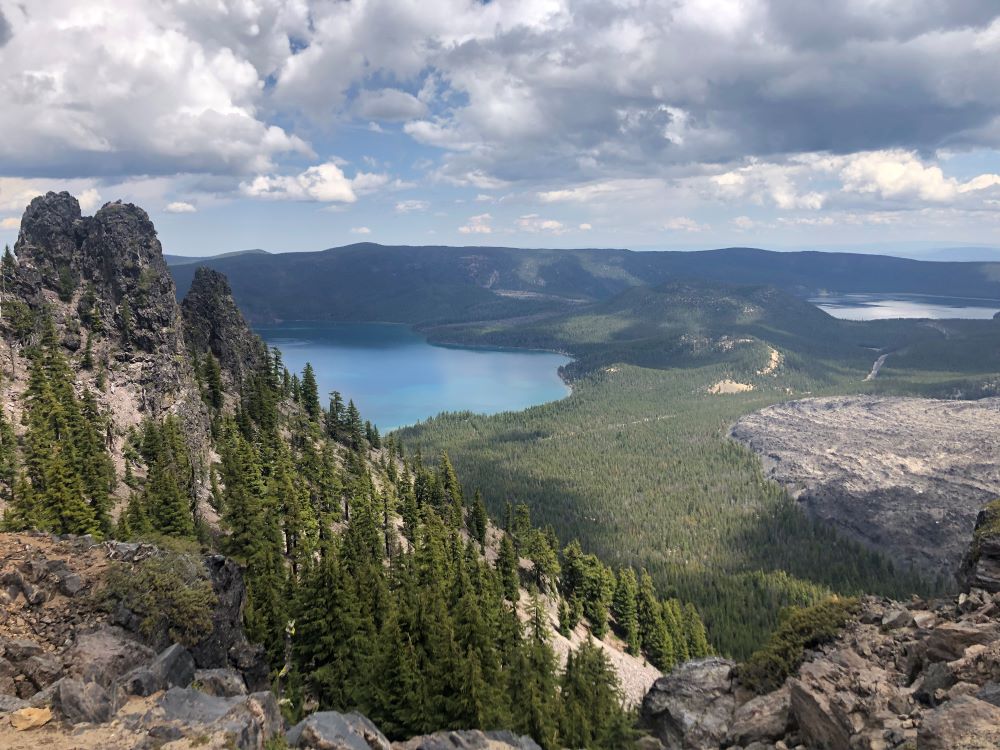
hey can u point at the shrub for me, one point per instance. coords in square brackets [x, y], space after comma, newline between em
[801, 628]
[170, 593]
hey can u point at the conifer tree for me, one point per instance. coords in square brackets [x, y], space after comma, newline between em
[478, 520]
[656, 640]
[310, 392]
[625, 609]
[507, 567]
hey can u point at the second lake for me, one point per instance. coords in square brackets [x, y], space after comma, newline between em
[396, 378]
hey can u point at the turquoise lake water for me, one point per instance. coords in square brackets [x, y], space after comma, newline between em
[884, 306]
[396, 378]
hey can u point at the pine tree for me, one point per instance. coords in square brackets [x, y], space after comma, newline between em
[310, 392]
[212, 374]
[507, 567]
[656, 640]
[478, 520]
[625, 610]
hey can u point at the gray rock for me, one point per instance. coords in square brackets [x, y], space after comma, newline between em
[469, 740]
[173, 667]
[981, 564]
[937, 676]
[990, 692]
[71, 585]
[19, 649]
[9, 703]
[104, 655]
[245, 721]
[221, 682]
[765, 717]
[897, 618]
[7, 674]
[965, 723]
[691, 707]
[42, 670]
[79, 701]
[329, 730]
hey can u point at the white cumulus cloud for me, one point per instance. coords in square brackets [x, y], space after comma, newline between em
[180, 207]
[479, 224]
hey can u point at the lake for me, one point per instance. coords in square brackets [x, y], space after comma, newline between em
[396, 378]
[883, 306]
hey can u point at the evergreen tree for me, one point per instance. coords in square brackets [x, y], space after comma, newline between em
[310, 392]
[507, 567]
[625, 610]
[478, 520]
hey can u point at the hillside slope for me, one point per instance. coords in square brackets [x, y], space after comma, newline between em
[428, 284]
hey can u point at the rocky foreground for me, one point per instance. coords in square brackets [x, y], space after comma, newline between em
[76, 672]
[902, 475]
[922, 675]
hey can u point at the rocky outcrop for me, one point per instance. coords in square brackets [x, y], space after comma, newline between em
[981, 564]
[900, 676]
[213, 323]
[104, 283]
[468, 740]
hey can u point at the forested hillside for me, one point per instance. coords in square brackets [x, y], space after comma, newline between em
[421, 285]
[636, 461]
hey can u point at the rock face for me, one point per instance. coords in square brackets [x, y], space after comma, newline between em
[903, 475]
[981, 565]
[213, 322]
[692, 707]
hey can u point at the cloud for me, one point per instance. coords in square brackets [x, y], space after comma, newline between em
[408, 206]
[683, 224]
[77, 74]
[389, 104]
[536, 224]
[324, 183]
[585, 227]
[360, 230]
[477, 225]
[180, 207]
[901, 174]
[10, 223]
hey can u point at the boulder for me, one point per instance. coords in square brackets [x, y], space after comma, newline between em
[221, 682]
[468, 740]
[173, 667]
[18, 649]
[79, 701]
[9, 703]
[104, 655]
[765, 717]
[691, 707]
[7, 675]
[897, 618]
[990, 692]
[937, 677]
[965, 723]
[246, 722]
[71, 584]
[42, 670]
[814, 708]
[329, 730]
[949, 640]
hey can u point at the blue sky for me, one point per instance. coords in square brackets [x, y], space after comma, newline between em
[305, 124]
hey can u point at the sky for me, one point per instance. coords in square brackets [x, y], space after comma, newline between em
[305, 124]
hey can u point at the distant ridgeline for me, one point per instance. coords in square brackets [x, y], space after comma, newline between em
[425, 285]
[374, 581]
